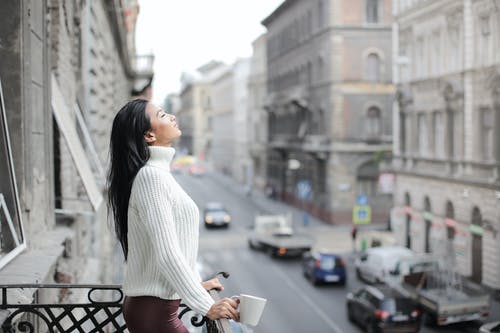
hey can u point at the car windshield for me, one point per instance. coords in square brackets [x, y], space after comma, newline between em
[327, 263]
[216, 210]
[394, 305]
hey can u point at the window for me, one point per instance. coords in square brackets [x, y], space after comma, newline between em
[436, 52]
[438, 124]
[12, 240]
[373, 11]
[487, 134]
[367, 177]
[373, 67]
[419, 64]
[423, 135]
[373, 123]
[485, 41]
[320, 14]
[402, 134]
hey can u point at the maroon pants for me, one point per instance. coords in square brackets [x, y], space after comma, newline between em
[148, 314]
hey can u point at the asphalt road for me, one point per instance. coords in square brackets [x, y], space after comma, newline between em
[294, 305]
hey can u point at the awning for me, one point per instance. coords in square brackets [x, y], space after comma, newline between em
[68, 129]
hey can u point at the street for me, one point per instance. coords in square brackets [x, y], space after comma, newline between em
[294, 304]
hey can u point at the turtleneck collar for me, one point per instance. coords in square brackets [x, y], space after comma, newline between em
[161, 156]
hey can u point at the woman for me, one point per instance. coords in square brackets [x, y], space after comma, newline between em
[156, 223]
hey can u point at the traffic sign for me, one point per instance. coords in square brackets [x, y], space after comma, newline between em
[362, 214]
[304, 190]
[362, 200]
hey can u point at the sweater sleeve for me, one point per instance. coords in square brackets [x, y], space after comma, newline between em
[155, 210]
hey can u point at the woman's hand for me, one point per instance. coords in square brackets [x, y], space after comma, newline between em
[212, 284]
[225, 308]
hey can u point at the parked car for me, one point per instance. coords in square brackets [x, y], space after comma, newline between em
[493, 327]
[216, 215]
[375, 264]
[273, 234]
[382, 309]
[324, 267]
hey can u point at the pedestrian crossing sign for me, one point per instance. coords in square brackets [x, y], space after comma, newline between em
[362, 214]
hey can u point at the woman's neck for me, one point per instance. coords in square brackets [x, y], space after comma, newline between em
[161, 156]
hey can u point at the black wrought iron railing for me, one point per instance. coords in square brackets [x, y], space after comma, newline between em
[100, 310]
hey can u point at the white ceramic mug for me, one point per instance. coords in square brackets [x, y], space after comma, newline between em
[251, 308]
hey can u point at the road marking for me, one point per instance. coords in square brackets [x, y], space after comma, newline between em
[335, 328]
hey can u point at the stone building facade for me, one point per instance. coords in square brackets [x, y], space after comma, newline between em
[222, 148]
[447, 132]
[67, 67]
[242, 164]
[329, 102]
[257, 116]
[195, 106]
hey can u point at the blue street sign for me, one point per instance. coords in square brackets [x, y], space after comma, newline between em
[361, 200]
[304, 190]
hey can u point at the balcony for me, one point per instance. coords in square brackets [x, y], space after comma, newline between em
[100, 311]
[316, 142]
[474, 172]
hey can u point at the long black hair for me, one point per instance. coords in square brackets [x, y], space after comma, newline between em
[128, 153]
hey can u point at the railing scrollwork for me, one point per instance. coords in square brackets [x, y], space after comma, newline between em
[101, 311]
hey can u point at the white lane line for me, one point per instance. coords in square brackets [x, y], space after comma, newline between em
[335, 328]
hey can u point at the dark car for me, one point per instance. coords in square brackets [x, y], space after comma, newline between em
[382, 309]
[216, 215]
[323, 267]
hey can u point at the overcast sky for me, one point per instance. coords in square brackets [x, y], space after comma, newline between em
[185, 34]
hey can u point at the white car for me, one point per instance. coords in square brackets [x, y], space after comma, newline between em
[375, 264]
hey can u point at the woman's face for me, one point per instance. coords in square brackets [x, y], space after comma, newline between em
[164, 129]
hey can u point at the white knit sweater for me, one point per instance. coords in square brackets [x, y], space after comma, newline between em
[163, 232]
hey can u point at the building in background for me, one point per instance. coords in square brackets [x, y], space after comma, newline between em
[329, 102]
[195, 105]
[67, 67]
[242, 165]
[221, 123]
[447, 132]
[257, 116]
[172, 103]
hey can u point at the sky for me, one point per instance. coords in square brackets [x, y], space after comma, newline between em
[185, 34]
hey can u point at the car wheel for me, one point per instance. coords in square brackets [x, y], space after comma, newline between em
[429, 319]
[313, 280]
[370, 328]
[350, 316]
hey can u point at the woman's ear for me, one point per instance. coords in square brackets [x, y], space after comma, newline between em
[149, 137]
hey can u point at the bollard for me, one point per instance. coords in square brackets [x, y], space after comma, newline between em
[363, 244]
